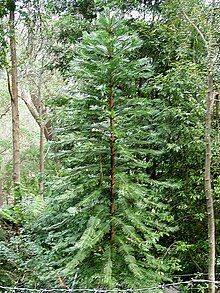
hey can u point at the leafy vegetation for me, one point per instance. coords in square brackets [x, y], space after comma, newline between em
[112, 187]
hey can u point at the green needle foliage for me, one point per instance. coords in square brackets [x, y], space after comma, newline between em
[104, 136]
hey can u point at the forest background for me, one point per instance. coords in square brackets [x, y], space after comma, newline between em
[109, 132]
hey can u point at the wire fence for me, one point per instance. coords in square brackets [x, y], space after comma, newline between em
[200, 285]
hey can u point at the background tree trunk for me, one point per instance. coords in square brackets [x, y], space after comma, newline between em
[208, 179]
[208, 186]
[13, 89]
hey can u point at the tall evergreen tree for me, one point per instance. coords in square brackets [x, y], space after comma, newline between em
[111, 214]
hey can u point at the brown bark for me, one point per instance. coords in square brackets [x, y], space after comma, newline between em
[13, 90]
[208, 186]
[112, 170]
[42, 113]
[48, 131]
[208, 180]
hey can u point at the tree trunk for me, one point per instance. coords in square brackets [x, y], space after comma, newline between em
[112, 170]
[208, 180]
[208, 186]
[13, 89]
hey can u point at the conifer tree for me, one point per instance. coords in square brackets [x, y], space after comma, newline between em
[108, 216]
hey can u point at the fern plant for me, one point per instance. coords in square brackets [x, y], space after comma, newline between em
[106, 216]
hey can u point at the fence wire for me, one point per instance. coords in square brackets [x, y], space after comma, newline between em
[172, 287]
